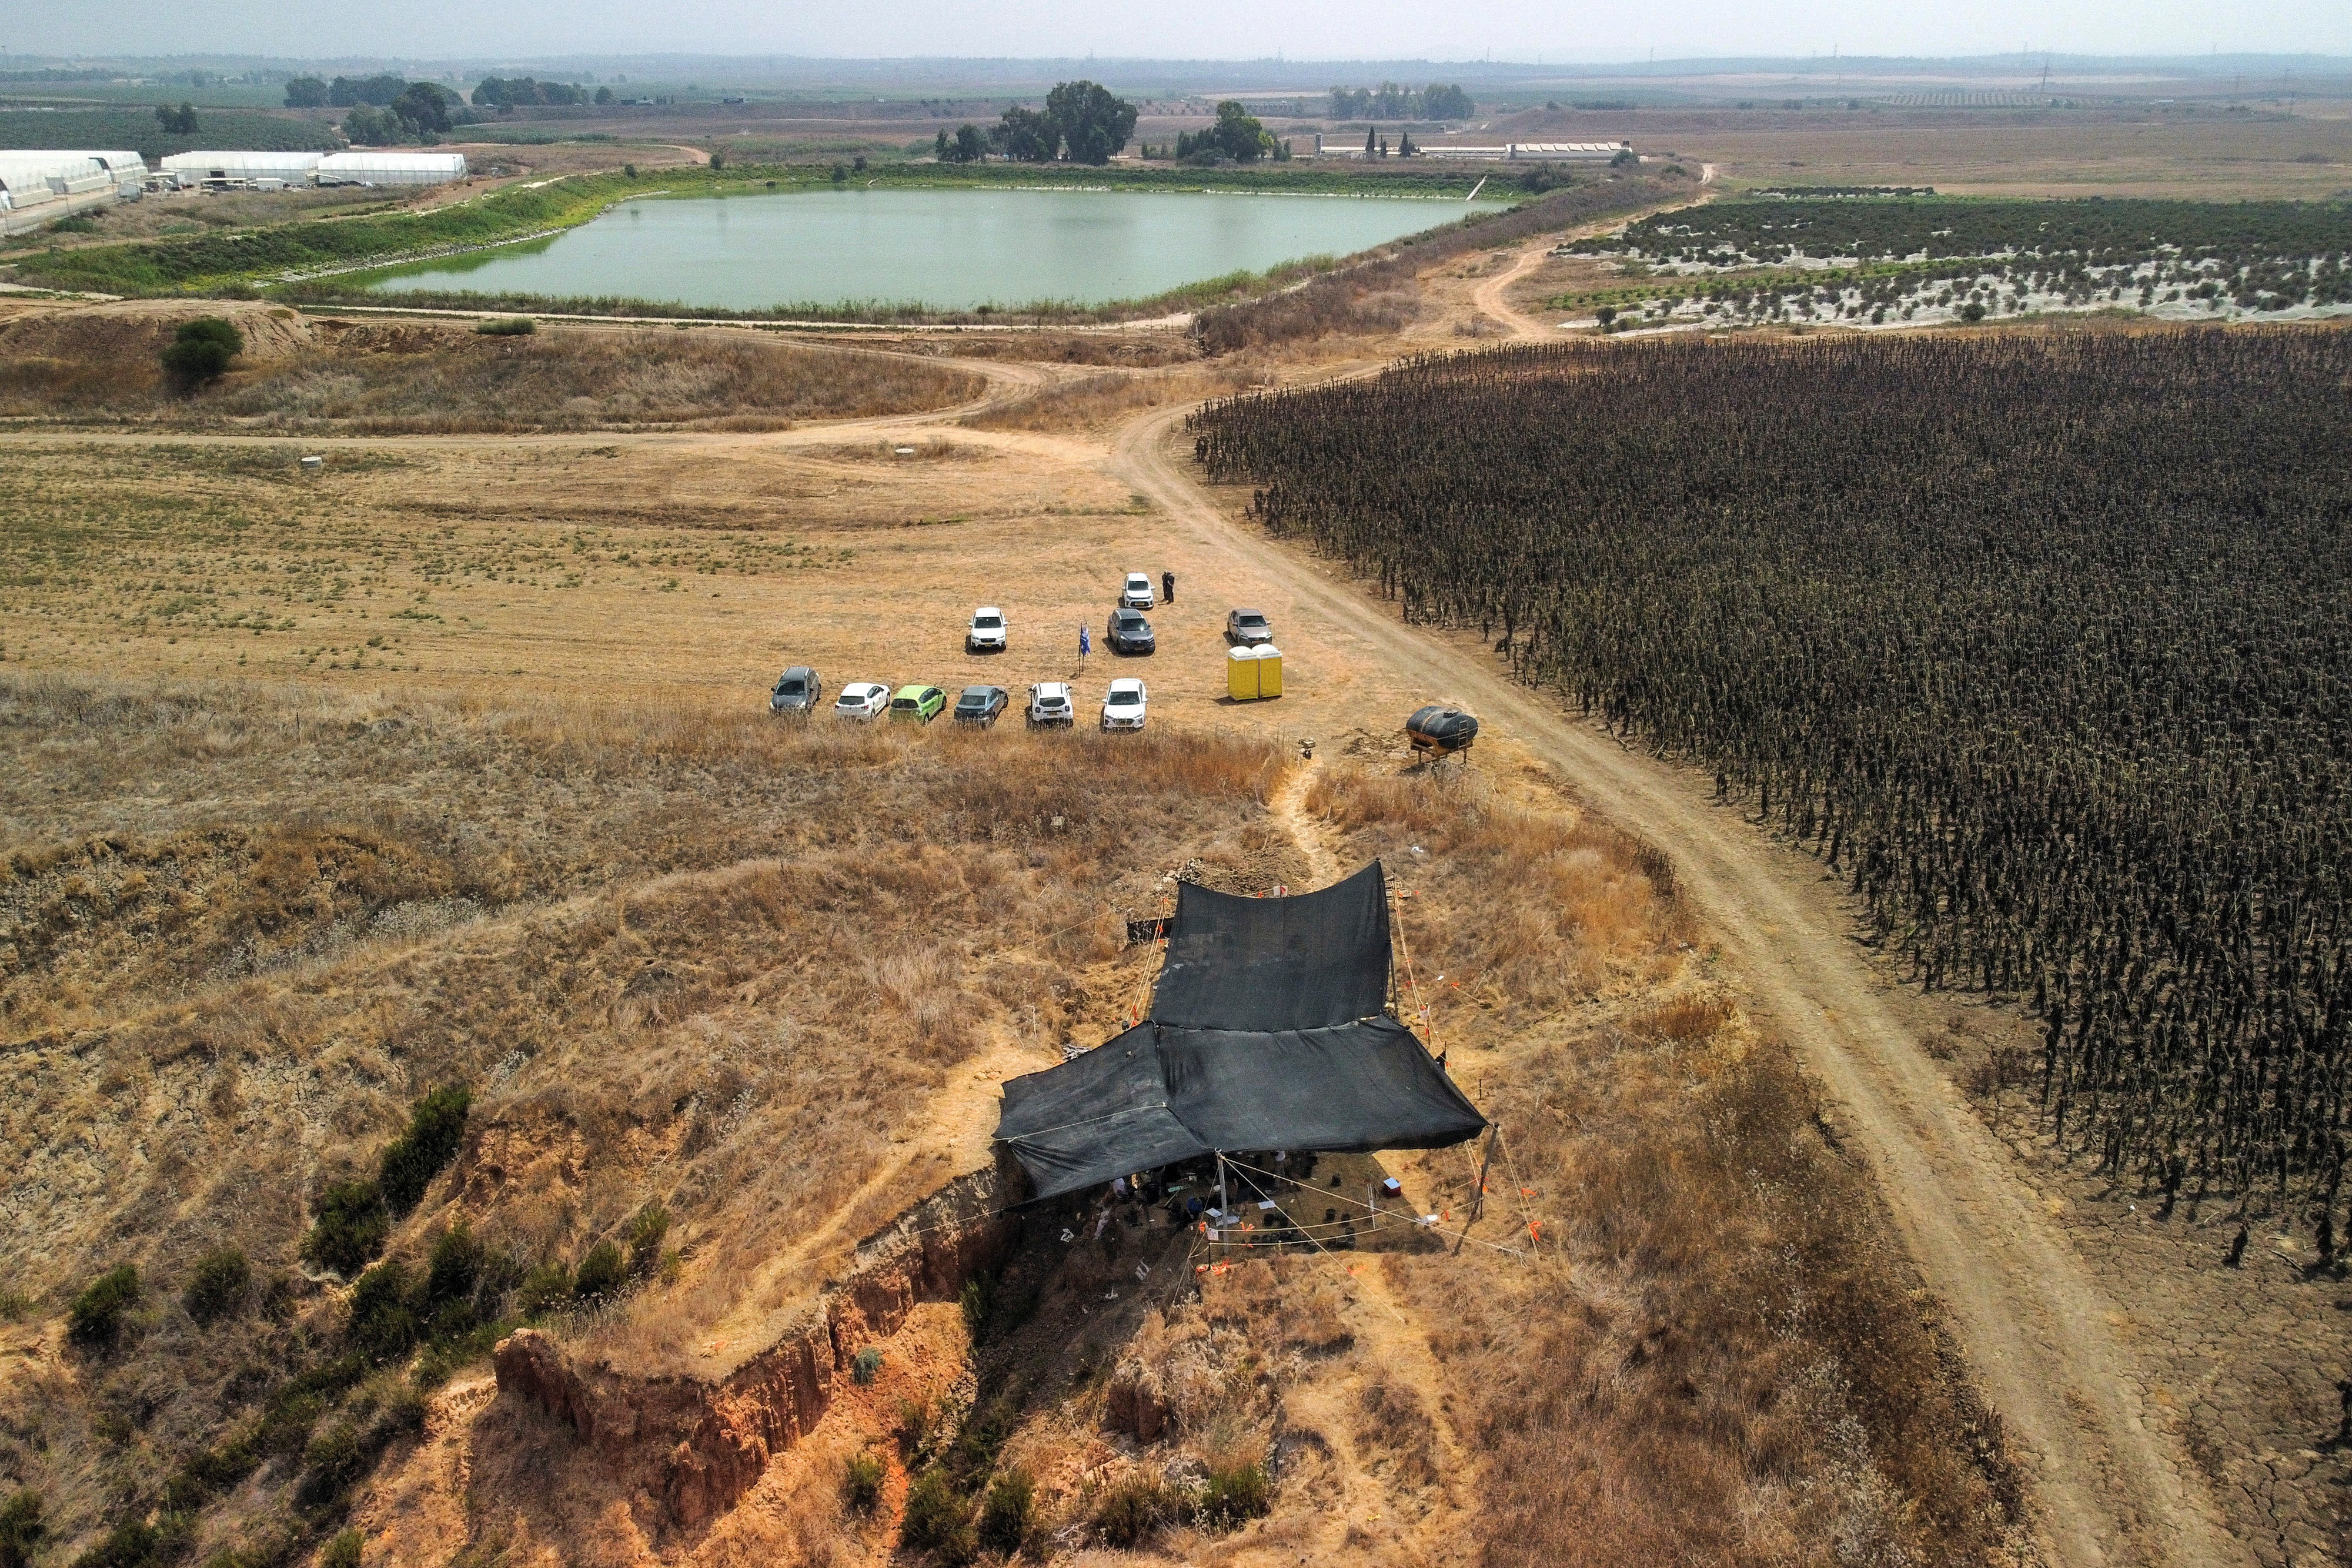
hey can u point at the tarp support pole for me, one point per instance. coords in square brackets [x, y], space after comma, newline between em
[1479, 1191]
[1223, 1205]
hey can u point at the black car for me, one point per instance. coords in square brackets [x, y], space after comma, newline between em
[981, 706]
[1129, 633]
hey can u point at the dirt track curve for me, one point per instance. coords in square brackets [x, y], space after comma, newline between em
[2047, 1345]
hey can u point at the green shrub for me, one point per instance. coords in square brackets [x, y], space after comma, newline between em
[914, 1425]
[384, 1323]
[455, 1268]
[864, 1365]
[95, 1319]
[135, 1543]
[342, 1552]
[349, 1230]
[1128, 1512]
[285, 1427]
[1004, 1516]
[507, 327]
[20, 1527]
[646, 1233]
[1234, 1496]
[937, 1521]
[200, 351]
[334, 1459]
[975, 1303]
[437, 1125]
[600, 1274]
[546, 1288]
[861, 1483]
[216, 1285]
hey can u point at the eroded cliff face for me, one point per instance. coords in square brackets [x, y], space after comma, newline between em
[709, 1441]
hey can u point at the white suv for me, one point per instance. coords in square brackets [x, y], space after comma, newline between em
[986, 632]
[1050, 704]
[1123, 708]
[1137, 594]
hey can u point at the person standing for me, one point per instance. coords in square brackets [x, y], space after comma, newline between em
[1086, 644]
[1168, 587]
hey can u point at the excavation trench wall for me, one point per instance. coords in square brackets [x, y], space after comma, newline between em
[708, 1440]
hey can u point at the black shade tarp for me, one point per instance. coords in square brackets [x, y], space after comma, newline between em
[1157, 1095]
[1309, 961]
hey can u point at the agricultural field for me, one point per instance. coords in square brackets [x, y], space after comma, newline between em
[1873, 259]
[2034, 739]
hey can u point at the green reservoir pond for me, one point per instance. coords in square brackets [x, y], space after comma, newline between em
[949, 249]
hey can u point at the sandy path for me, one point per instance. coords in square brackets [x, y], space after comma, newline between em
[1491, 297]
[2114, 1485]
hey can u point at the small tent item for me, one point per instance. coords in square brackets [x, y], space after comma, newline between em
[1440, 730]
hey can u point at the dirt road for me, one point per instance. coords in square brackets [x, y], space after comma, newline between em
[2114, 1485]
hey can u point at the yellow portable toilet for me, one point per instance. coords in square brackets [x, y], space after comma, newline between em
[1269, 670]
[1241, 674]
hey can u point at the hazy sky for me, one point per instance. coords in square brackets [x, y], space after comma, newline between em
[1197, 29]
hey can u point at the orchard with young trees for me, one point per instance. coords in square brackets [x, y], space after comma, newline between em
[1390, 101]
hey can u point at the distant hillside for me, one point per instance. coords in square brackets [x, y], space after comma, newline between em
[135, 130]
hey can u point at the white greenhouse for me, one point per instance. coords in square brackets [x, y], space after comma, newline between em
[397, 166]
[219, 169]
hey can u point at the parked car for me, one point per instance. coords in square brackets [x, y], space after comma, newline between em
[1137, 594]
[1128, 632]
[986, 632]
[1247, 628]
[862, 700]
[1123, 708]
[1050, 703]
[798, 690]
[981, 704]
[917, 705]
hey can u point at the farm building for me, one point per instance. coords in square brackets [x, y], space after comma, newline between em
[219, 169]
[1547, 151]
[36, 188]
[402, 166]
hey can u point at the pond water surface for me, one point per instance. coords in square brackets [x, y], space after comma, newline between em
[951, 249]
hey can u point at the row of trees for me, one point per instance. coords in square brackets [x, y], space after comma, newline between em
[1082, 122]
[422, 112]
[1392, 101]
[344, 92]
[2043, 645]
[522, 92]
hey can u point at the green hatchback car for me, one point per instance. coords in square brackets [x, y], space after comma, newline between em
[917, 705]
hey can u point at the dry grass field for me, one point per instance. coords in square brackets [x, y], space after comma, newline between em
[327, 373]
[665, 943]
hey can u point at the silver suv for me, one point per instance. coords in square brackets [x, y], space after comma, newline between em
[798, 690]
